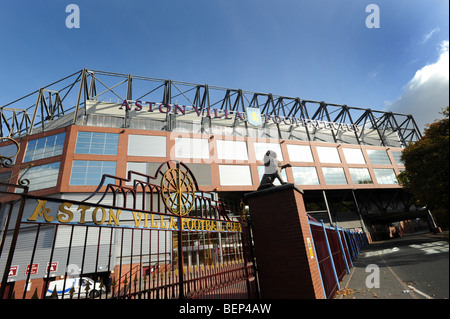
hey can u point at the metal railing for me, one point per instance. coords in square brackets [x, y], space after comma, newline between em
[336, 249]
[49, 246]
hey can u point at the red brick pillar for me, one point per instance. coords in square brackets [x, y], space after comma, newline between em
[285, 256]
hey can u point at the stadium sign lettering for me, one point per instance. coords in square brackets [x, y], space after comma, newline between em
[255, 118]
[75, 214]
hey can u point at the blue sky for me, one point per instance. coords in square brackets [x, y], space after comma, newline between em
[319, 50]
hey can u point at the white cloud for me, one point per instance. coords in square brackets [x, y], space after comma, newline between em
[427, 36]
[427, 92]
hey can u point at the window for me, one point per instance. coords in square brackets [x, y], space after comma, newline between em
[334, 175]
[8, 151]
[144, 145]
[378, 157]
[191, 148]
[262, 148]
[385, 176]
[235, 175]
[45, 147]
[97, 143]
[232, 150]
[397, 157]
[43, 176]
[4, 178]
[91, 172]
[276, 182]
[305, 176]
[354, 156]
[328, 154]
[300, 153]
[360, 176]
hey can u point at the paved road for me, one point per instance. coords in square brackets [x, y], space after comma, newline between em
[422, 262]
[415, 266]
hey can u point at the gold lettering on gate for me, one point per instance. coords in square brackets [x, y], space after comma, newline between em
[67, 212]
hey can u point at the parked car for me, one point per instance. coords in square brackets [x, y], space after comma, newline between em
[79, 287]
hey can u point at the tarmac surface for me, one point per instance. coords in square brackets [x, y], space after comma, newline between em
[412, 267]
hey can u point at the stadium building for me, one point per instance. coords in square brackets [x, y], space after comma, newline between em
[73, 131]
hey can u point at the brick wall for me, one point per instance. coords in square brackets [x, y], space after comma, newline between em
[286, 268]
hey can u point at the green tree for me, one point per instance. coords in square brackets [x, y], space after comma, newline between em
[426, 174]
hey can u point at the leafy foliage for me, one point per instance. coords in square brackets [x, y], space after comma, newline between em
[426, 174]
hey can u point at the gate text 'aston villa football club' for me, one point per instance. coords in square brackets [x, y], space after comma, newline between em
[76, 214]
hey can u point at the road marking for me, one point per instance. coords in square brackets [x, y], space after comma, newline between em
[413, 295]
[432, 247]
[419, 292]
[381, 252]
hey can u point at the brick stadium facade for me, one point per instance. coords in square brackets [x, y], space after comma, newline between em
[345, 159]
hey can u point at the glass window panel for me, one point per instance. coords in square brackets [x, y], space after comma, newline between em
[93, 181]
[334, 175]
[44, 147]
[98, 136]
[8, 151]
[328, 154]
[43, 176]
[354, 156]
[110, 152]
[232, 150]
[385, 176]
[4, 177]
[397, 157]
[95, 143]
[300, 153]
[50, 140]
[91, 172]
[262, 148]
[77, 181]
[360, 175]
[305, 175]
[378, 157]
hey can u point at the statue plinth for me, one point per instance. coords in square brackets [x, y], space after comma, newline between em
[287, 264]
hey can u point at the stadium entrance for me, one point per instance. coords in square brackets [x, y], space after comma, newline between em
[140, 237]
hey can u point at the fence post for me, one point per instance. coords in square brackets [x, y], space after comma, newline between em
[331, 255]
[358, 241]
[12, 247]
[348, 247]
[342, 248]
[317, 260]
[180, 259]
[353, 245]
[355, 238]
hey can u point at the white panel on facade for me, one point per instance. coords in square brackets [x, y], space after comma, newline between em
[328, 154]
[191, 148]
[300, 153]
[80, 237]
[262, 148]
[235, 175]
[145, 145]
[354, 156]
[136, 167]
[232, 150]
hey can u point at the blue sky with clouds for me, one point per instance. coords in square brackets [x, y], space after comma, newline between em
[319, 50]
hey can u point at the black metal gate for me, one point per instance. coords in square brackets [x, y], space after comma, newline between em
[136, 237]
